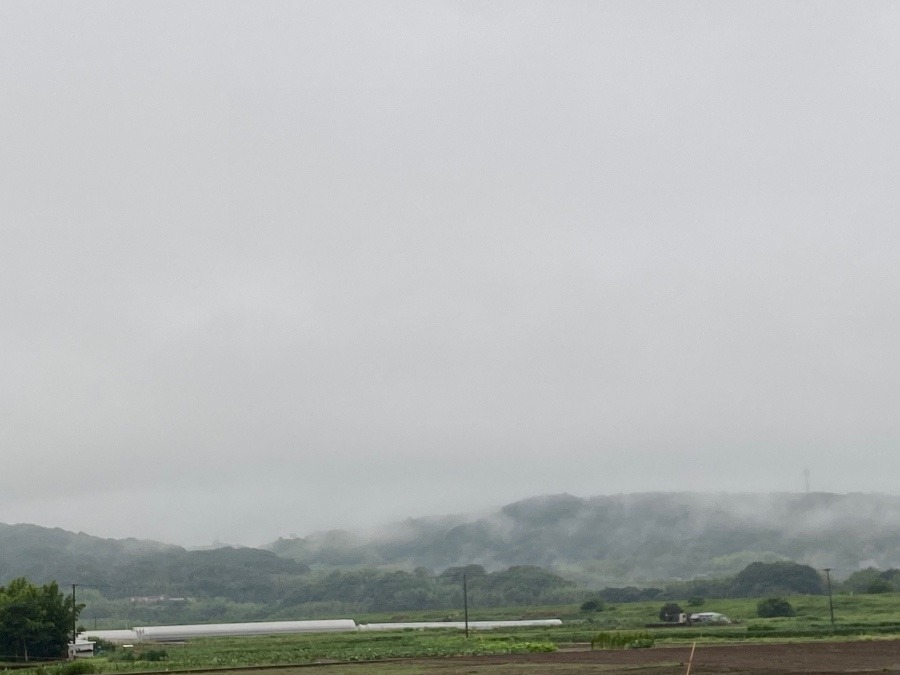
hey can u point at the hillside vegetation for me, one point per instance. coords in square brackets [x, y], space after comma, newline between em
[632, 538]
[545, 549]
[141, 568]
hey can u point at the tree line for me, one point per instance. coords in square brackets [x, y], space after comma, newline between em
[351, 592]
[36, 622]
[348, 592]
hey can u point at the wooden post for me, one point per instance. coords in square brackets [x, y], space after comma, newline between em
[830, 601]
[74, 627]
[691, 660]
[466, 604]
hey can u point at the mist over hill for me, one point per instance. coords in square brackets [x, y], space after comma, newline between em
[632, 537]
[596, 541]
[135, 567]
[46, 554]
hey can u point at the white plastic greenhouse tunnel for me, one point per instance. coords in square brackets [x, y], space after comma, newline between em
[185, 632]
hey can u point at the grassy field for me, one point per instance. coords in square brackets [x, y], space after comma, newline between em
[857, 617]
[850, 611]
[224, 653]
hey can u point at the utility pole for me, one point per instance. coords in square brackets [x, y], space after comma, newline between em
[74, 617]
[466, 604]
[827, 571]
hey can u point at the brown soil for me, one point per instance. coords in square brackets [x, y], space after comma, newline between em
[808, 657]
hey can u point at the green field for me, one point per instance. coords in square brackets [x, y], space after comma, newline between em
[857, 617]
[853, 614]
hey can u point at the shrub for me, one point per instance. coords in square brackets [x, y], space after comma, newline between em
[77, 668]
[154, 655]
[540, 647]
[619, 640]
[771, 607]
[593, 605]
[696, 601]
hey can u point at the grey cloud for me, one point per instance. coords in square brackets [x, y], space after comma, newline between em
[406, 257]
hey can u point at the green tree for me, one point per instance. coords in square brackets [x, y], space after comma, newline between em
[519, 585]
[879, 586]
[35, 621]
[774, 607]
[871, 580]
[593, 605]
[784, 577]
[670, 612]
[455, 574]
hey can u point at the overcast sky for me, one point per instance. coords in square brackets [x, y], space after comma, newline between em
[269, 268]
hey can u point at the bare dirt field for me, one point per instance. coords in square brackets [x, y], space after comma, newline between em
[817, 657]
[808, 657]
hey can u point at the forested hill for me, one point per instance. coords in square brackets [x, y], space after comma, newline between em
[633, 537]
[132, 567]
[598, 541]
[43, 553]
